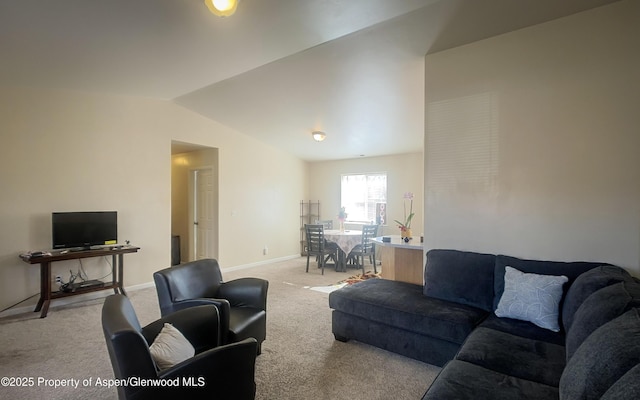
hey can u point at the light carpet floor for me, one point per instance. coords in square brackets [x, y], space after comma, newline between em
[300, 358]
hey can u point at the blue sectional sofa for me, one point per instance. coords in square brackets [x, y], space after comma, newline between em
[504, 327]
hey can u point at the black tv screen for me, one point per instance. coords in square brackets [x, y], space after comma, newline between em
[84, 229]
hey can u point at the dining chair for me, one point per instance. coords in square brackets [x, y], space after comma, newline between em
[318, 246]
[366, 248]
[328, 224]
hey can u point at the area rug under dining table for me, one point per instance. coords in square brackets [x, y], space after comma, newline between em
[349, 281]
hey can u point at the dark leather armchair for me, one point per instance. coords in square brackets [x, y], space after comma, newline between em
[220, 372]
[242, 303]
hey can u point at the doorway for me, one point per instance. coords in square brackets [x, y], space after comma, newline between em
[204, 219]
[194, 200]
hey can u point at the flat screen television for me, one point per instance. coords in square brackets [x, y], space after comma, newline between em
[84, 229]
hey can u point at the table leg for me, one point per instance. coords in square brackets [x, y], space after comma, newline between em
[45, 289]
[45, 309]
[342, 261]
[114, 274]
[39, 305]
[121, 274]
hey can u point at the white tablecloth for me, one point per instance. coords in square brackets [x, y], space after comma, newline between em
[346, 240]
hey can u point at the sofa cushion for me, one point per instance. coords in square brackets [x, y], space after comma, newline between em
[460, 380]
[569, 269]
[404, 306]
[603, 358]
[588, 283]
[517, 356]
[532, 297]
[598, 309]
[523, 329]
[461, 277]
[625, 388]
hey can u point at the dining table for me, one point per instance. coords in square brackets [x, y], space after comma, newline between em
[346, 240]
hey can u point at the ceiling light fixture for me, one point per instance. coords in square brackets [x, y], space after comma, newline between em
[222, 8]
[318, 136]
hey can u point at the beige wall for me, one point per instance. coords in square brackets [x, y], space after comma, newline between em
[561, 173]
[404, 174]
[68, 151]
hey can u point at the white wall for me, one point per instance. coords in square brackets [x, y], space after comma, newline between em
[553, 169]
[68, 151]
[404, 174]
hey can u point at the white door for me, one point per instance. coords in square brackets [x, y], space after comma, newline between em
[204, 216]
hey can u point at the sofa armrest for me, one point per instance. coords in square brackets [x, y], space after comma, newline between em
[246, 292]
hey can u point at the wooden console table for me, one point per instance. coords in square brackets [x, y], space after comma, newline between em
[45, 272]
[401, 261]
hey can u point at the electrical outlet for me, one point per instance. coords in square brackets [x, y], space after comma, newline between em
[265, 251]
[58, 279]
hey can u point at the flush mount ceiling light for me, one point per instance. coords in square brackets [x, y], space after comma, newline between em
[222, 8]
[318, 136]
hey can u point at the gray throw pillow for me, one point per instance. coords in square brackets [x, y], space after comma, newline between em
[532, 297]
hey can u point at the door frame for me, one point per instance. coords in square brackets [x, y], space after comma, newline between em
[192, 212]
[186, 157]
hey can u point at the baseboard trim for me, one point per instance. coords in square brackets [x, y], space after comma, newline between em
[259, 263]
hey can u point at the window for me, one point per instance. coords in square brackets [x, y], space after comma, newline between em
[364, 196]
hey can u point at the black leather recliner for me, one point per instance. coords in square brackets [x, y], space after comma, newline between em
[242, 303]
[220, 372]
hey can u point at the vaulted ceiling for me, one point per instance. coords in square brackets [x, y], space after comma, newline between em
[276, 70]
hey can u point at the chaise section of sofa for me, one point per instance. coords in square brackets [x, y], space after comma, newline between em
[396, 316]
[399, 317]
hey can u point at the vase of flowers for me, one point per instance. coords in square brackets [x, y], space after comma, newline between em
[342, 215]
[405, 225]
